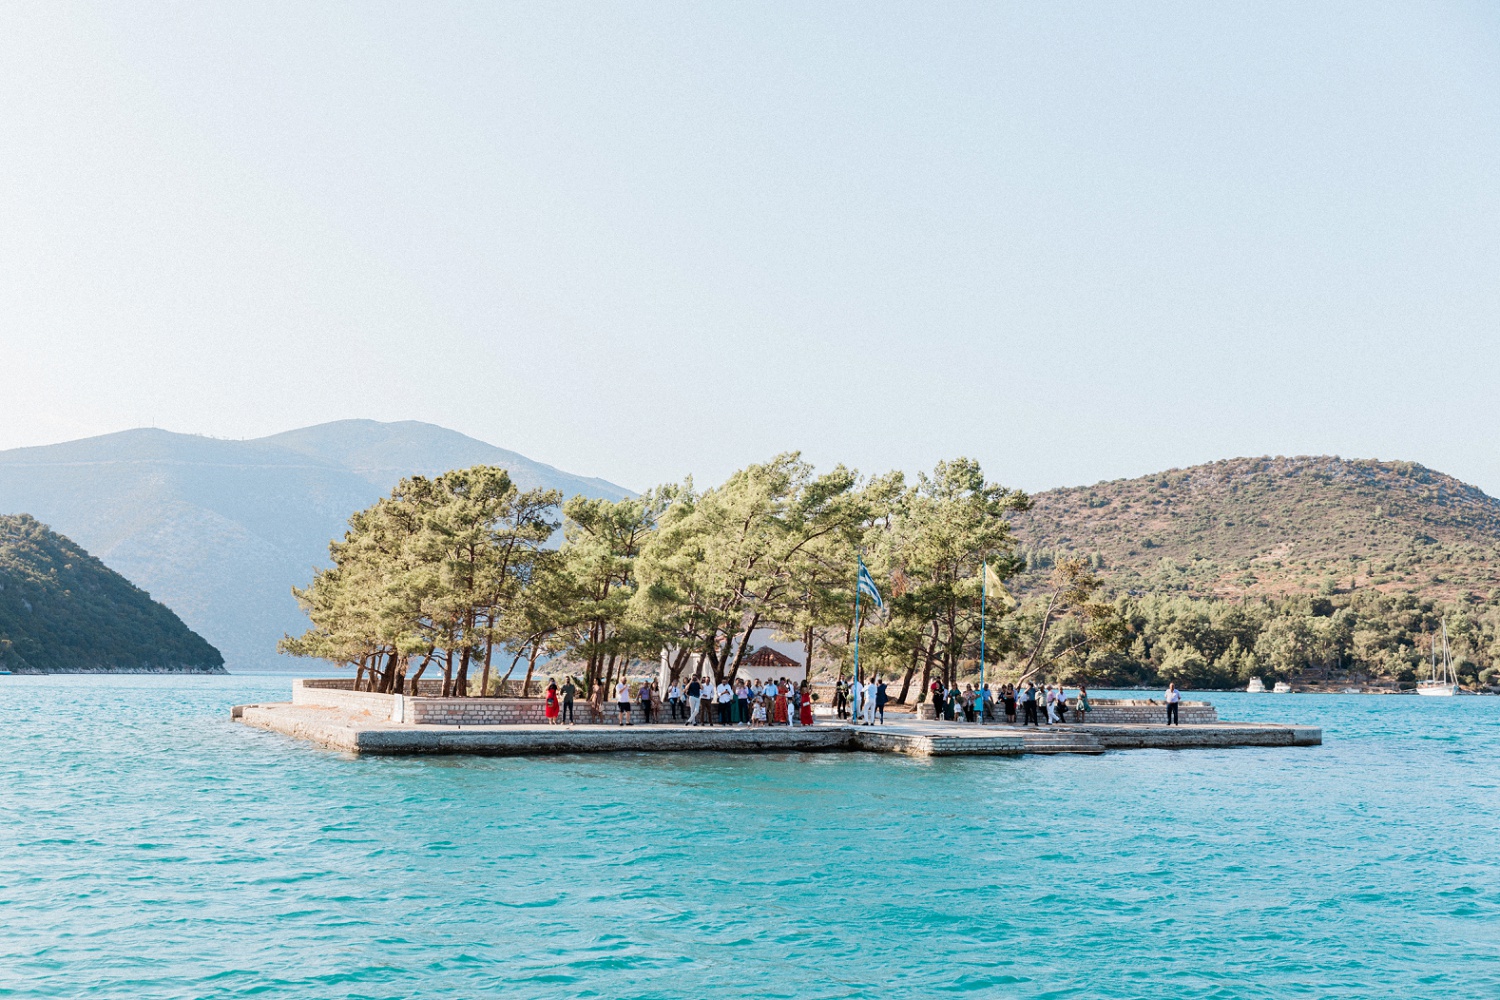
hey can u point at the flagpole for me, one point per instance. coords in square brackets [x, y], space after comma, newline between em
[856, 647]
[984, 586]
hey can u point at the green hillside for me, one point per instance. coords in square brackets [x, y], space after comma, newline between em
[63, 611]
[1276, 526]
[1320, 571]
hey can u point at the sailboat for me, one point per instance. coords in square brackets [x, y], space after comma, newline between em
[1443, 683]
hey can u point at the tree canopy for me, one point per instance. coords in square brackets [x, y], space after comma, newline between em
[447, 573]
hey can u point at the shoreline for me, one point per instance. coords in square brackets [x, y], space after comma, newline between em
[359, 732]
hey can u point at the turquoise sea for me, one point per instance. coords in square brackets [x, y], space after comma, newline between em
[152, 848]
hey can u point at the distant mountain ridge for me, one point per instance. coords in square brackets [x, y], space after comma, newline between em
[1272, 526]
[220, 531]
[63, 611]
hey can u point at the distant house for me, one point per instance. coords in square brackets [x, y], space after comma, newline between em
[765, 664]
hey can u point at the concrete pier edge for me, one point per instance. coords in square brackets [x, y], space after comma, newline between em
[363, 733]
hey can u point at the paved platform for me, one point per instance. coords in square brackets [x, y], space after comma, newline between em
[364, 733]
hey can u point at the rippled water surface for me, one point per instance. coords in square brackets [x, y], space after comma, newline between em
[151, 848]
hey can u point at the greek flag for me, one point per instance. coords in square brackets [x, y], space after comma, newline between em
[867, 586]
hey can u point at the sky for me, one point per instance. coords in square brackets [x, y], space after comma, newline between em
[1074, 241]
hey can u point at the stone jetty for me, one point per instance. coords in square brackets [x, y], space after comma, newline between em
[332, 714]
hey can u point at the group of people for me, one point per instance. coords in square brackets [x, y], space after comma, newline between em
[698, 702]
[782, 702]
[1026, 702]
[872, 700]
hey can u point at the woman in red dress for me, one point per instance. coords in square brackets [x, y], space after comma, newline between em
[778, 717]
[549, 707]
[807, 716]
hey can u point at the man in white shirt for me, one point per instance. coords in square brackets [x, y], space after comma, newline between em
[622, 701]
[1174, 697]
[867, 702]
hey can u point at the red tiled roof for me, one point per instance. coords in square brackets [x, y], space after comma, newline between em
[765, 656]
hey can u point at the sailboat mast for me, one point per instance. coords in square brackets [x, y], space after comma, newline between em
[1449, 677]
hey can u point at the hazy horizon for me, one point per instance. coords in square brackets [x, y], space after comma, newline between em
[1076, 242]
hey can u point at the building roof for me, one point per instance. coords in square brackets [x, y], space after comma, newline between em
[765, 656]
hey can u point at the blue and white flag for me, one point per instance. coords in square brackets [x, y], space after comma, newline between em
[867, 586]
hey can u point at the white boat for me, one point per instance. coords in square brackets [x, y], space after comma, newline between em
[1442, 682]
[1256, 686]
[1282, 687]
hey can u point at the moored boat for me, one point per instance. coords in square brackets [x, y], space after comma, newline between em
[1442, 681]
[1282, 687]
[1256, 686]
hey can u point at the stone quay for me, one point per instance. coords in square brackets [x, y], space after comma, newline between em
[332, 714]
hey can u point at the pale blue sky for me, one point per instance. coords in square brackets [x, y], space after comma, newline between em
[1075, 241]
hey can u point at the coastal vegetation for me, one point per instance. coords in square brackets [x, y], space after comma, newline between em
[1301, 569]
[63, 611]
[457, 577]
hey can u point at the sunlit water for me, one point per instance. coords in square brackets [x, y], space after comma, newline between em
[152, 848]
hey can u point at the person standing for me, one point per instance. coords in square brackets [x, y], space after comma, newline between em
[646, 699]
[937, 699]
[778, 705]
[726, 695]
[841, 699]
[622, 701]
[1028, 702]
[1081, 705]
[549, 705]
[596, 700]
[742, 694]
[568, 691]
[1008, 695]
[806, 701]
[881, 697]
[1174, 697]
[695, 700]
[867, 697]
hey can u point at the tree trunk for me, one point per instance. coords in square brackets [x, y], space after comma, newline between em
[448, 674]
[536, 648]
[916, 654]
[389, 674]
[927, 668]
[807, 645]
[484, 678]
[417, 677]
[461, 679]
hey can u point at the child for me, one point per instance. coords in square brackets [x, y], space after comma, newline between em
[758, 713]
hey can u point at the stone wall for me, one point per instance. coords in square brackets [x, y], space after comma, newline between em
[1109, 711]
[490, 711]
[1143, 712]
[343, 697]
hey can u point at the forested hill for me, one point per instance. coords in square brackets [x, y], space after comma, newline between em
[1275, 526]
[63, 611]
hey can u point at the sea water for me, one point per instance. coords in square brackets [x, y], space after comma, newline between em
[152, 848]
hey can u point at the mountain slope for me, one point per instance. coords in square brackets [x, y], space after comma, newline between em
[63, 611]
[1273, 526]
[382, 453]
[220, 531]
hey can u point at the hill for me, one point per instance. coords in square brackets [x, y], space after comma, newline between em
[63, 611]
[220, 531]
[1272, 527]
